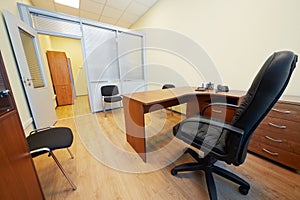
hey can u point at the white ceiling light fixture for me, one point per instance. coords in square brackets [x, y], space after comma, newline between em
[71, 3]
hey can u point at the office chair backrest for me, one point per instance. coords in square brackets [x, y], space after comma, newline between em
[266, 89]
[109, 90]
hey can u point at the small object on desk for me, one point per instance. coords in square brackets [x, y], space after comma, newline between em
[208, 86]
[205, 86]
[200, 89]
[222, 88]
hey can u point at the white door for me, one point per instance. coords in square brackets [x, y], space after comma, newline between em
[26, 49]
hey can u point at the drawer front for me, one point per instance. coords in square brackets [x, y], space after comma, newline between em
[286, 111]
[282, 144]
[280, 129]
[278, 135]
[220, 112]
[276, 154]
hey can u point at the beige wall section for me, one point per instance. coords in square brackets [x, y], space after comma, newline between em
[237, 35]
[11, 66]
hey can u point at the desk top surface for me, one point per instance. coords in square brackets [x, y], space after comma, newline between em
[155, 96]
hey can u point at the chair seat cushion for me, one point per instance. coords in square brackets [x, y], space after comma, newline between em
[198, 135]
[112, 99]
[53, 138]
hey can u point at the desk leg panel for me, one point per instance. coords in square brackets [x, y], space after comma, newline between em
[135, 126]
[195, 104]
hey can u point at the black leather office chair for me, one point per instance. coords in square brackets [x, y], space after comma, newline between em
[229, 142]
[46, 140]
[110, 94]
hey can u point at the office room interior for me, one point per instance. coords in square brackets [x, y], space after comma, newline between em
[184, 43]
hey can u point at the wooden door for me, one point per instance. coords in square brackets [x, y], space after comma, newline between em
[61, 77]
[18, 175]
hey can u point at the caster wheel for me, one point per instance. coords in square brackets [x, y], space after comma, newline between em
[173, 172]
[243, 190]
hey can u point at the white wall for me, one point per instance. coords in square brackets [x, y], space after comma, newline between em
[238, 35]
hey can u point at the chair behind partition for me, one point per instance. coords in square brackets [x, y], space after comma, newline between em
[168, 86]
[110, 94]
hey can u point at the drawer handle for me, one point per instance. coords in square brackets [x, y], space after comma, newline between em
[277, 126]
[270, 152]
[217, 111]
[281, 111]
[272, 139]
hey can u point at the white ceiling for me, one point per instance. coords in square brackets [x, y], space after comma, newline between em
[116, 12]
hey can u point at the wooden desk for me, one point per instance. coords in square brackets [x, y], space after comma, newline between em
[137, 104]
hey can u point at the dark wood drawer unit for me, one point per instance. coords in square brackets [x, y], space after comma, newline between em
[278, 135]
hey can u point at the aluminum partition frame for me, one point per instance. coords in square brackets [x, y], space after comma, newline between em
[26, 11]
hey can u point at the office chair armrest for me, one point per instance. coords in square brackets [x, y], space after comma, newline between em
[214, 123]
[217, 104]
[44, 149]
[40, 129]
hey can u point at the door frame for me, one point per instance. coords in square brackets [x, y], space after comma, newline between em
[39, 100]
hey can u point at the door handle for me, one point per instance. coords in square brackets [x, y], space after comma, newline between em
[4, 93]
[27, 81]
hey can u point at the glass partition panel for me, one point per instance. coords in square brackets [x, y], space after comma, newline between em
[130, 49]
[53, 24]
[101, 53]
[31, 57]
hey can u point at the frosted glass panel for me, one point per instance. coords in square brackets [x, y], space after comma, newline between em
[131, 56]
[52, 24]
[101, 53]
[31, 57]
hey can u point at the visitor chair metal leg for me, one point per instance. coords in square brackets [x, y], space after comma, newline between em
[62, 170]
[70, 153]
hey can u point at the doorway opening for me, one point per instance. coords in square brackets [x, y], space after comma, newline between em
[71, 48]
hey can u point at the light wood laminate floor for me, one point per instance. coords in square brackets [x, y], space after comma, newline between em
[97, 178]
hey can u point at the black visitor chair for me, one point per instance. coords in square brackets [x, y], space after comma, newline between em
[110, 94]
[46, 140]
